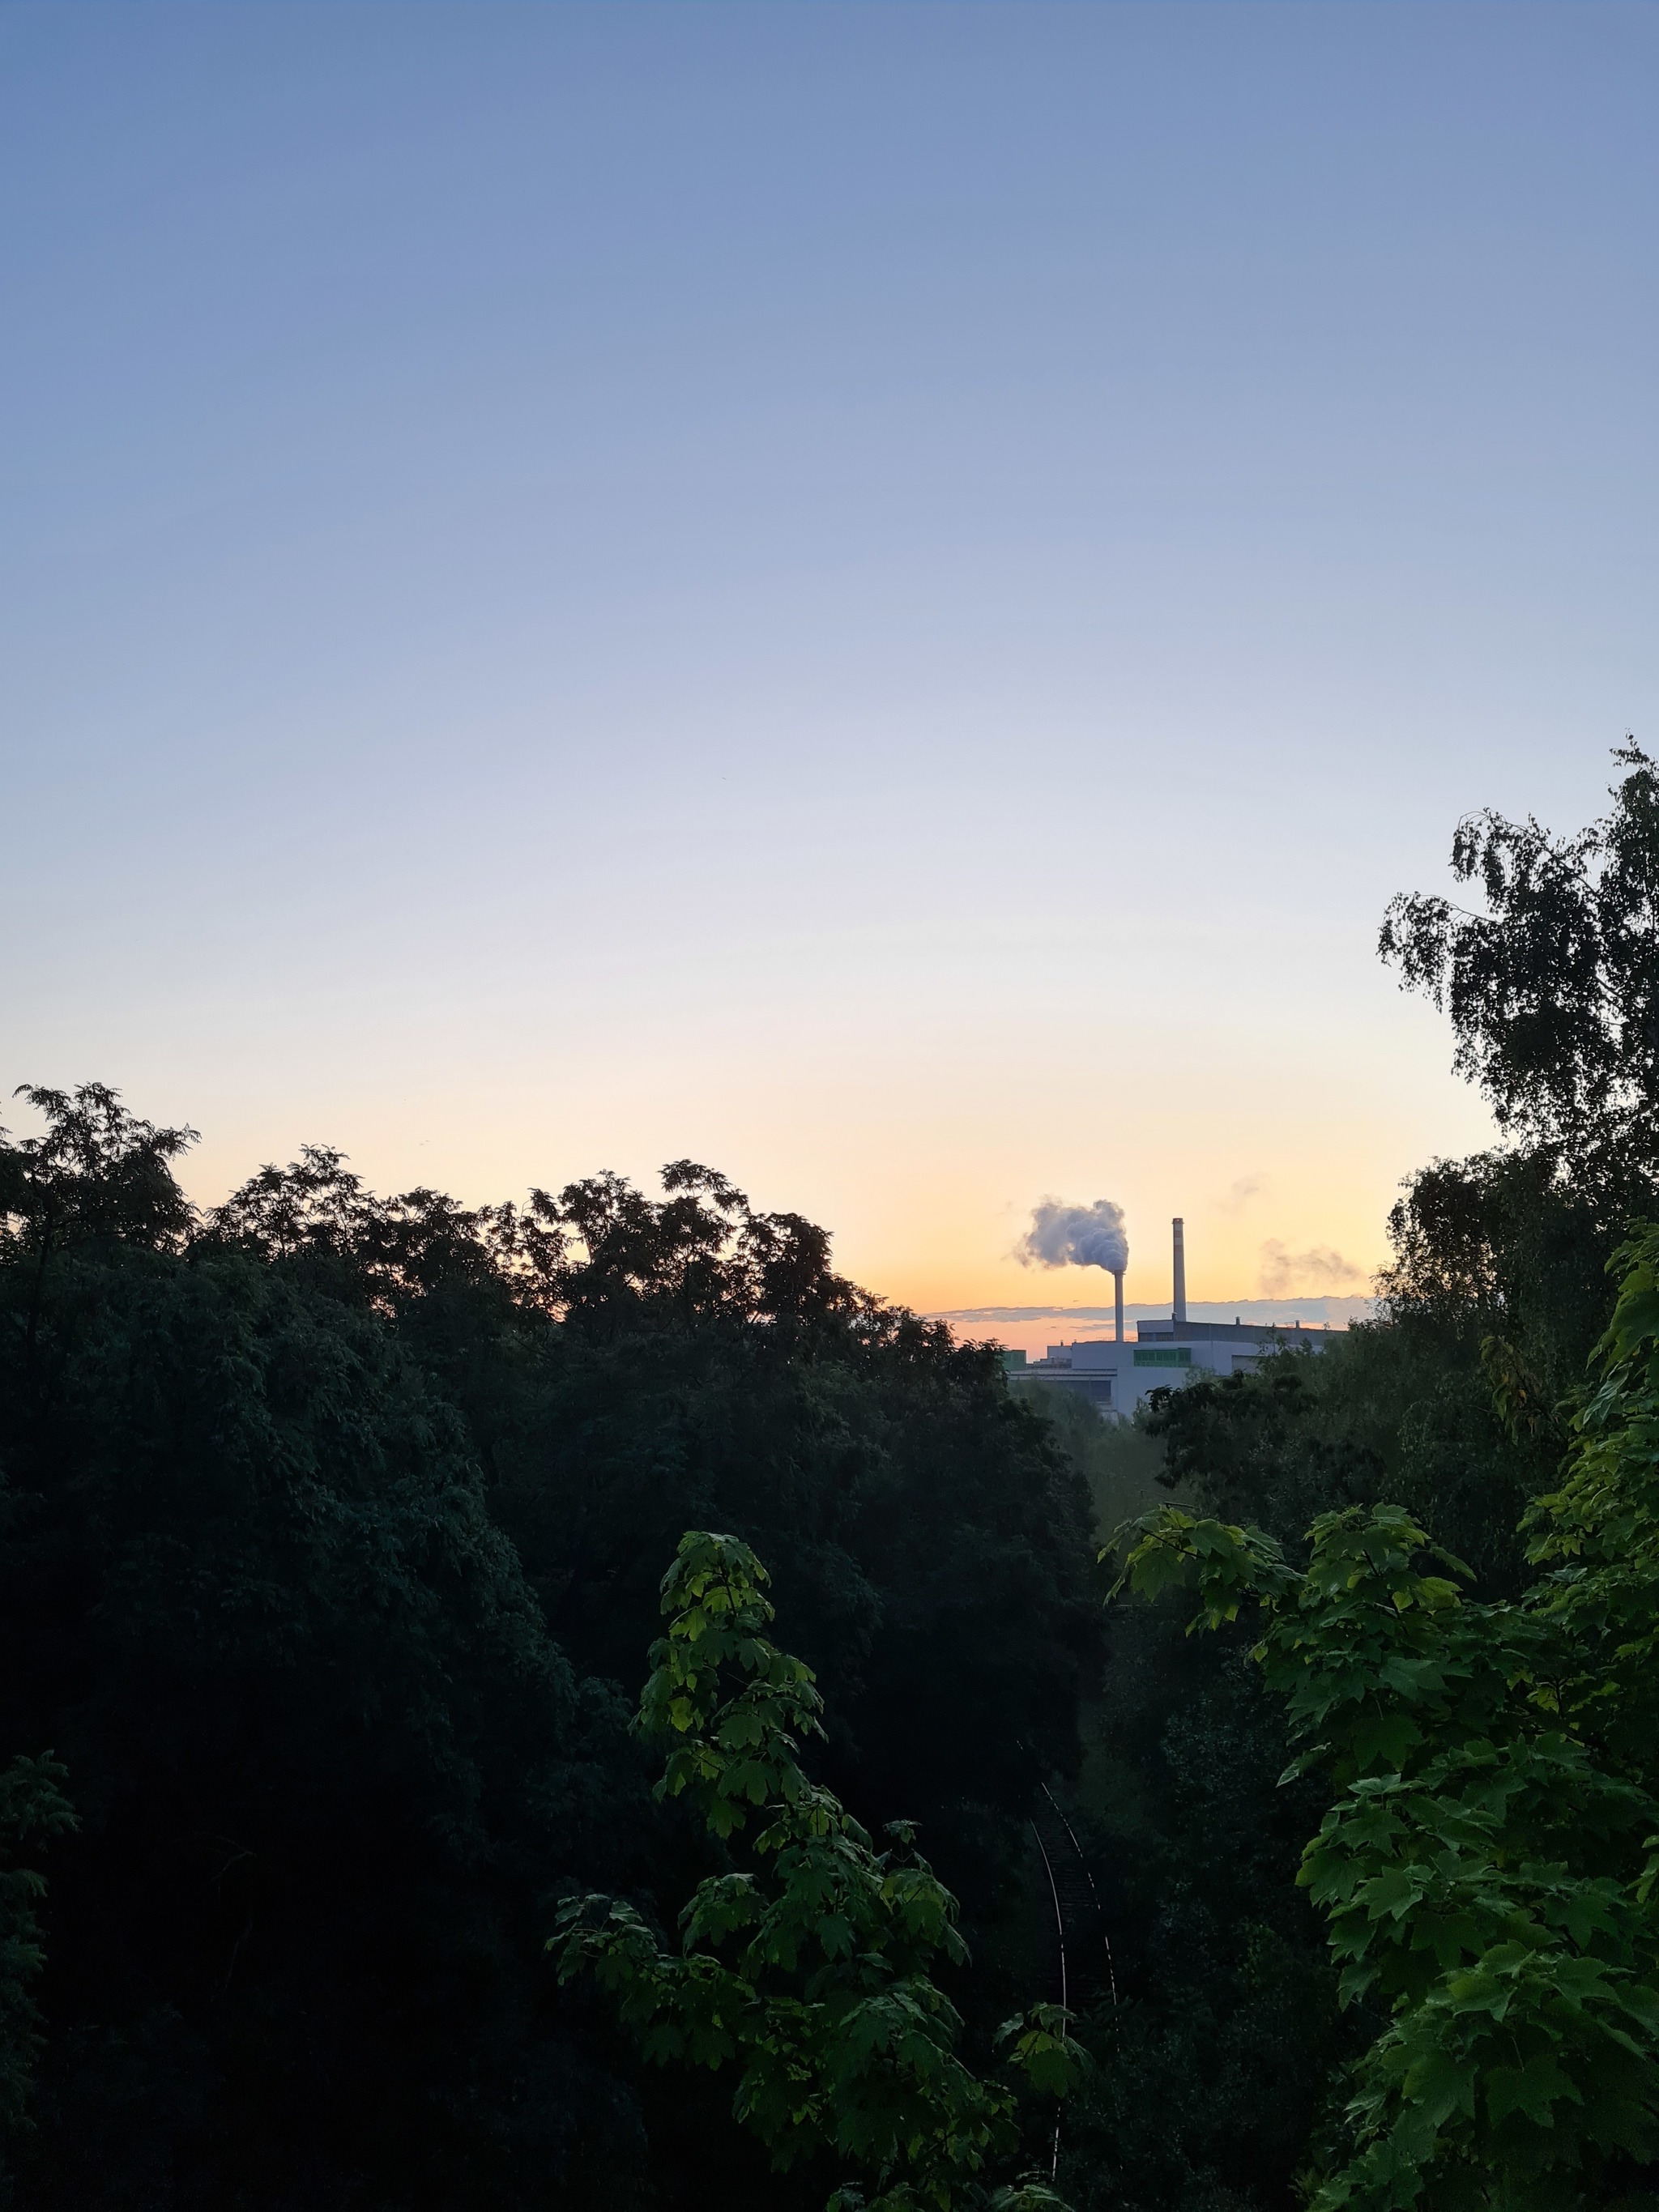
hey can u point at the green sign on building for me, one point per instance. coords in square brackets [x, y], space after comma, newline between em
[1174, 1355]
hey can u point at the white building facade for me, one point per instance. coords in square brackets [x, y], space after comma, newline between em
[1117, 1378]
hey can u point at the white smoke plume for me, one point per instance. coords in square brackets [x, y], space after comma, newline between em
[1247, 1188]
[1284, 1271]
[1075, 1236]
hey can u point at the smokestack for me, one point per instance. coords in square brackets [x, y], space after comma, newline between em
[1179, 1315]
[1117, 1278]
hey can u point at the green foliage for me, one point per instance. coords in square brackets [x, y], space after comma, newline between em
[1513, 1246]
[1218, 2026]
[1122, 1462]
[809, 1970]
[1402, 1411]
[33, 1809]
[1199, 1967]
[1487, 1865]
[326, 1523]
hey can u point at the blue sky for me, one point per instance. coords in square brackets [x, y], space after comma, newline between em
[876, 594]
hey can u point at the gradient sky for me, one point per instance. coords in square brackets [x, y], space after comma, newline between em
[878, 595]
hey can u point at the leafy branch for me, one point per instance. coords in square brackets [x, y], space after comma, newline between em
[807, 1970]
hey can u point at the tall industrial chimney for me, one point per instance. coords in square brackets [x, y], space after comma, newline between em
[1117, 1280]
[1180, 1271]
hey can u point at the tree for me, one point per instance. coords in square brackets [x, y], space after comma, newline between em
[328, 1521]
[1402, 1411]
[326, 1759]
[1553, 992]
[808, 1970]
[1453, 1409]
[1488, 1864]
[33, 1809]
[96, 1171]
[627, 1367]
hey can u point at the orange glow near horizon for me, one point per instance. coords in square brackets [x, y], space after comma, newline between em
[879, 597]
[925, 1157]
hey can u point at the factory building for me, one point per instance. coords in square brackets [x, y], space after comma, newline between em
[1116, 1374]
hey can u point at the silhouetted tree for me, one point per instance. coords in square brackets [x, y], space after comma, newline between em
[1553, 992]
[328, 1525]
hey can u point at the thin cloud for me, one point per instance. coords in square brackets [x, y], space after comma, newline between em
[1239, 1196]
[1283, 1272]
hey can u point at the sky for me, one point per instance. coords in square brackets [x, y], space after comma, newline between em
[876, 595]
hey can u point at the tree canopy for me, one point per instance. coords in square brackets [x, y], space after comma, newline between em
[1553, 991]
[330, 1526]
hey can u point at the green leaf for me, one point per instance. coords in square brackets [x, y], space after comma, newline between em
[1535, 2089]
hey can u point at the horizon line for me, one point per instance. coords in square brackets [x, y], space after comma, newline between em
[1330, 1305]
